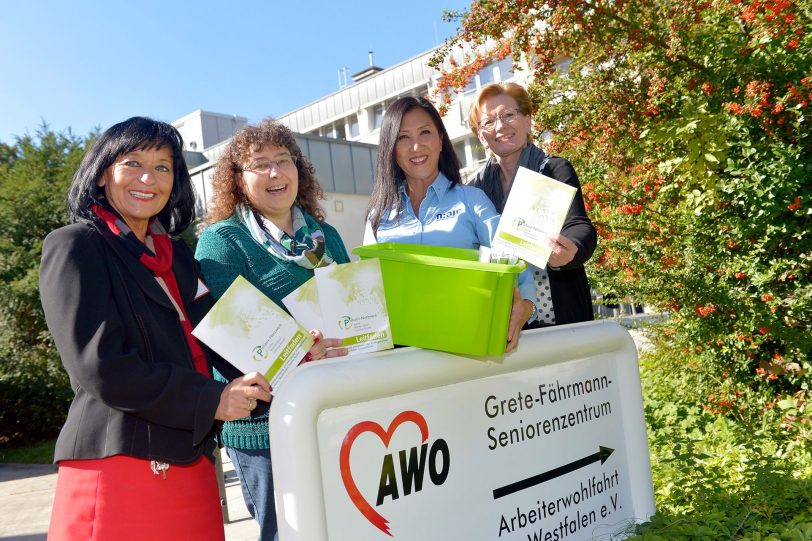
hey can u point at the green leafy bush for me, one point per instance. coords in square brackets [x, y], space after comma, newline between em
[34, 398]
[688, 123]
[40, 453]
[35, 174]
[716, 477]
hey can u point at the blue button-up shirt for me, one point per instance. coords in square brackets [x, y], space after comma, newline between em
[458, 217]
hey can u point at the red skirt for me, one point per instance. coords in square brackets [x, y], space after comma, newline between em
[119, 498]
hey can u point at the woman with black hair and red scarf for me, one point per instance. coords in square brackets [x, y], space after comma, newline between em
[136, 454]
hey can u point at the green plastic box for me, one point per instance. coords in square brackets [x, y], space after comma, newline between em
[444, 298]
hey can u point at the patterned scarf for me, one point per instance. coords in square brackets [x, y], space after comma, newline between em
[155, 253]
[307, 246]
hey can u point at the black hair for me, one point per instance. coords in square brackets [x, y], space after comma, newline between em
[136, 133]
[388, 175]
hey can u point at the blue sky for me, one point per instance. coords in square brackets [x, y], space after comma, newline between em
[93, 63]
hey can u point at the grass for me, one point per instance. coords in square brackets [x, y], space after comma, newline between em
[38, 453]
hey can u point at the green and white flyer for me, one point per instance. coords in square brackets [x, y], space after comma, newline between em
[303, 304]
[347, 302]
[251, 332]
[536, 208]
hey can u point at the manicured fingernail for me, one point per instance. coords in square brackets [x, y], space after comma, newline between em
[308, 357]
[316, 339]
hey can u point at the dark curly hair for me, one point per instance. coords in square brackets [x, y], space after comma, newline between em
[226, 183]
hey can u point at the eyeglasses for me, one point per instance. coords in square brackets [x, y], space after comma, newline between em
[508, 117]
[263, 167]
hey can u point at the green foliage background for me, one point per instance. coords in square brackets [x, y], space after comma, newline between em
[35, 174]
[688, 123]
[716, 477]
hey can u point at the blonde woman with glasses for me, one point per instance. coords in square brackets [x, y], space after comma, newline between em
[501, 118]
[266, 225]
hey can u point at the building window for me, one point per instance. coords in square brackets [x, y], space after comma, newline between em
[459, 150]
[486, 75]
[353, 126]
[334, 130]
[505, 67]
[471, 156]
[377, 115]
[477, 150]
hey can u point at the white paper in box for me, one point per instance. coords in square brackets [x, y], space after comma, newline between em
[536, 208]
[251, 332]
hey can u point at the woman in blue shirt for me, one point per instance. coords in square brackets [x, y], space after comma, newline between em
[419, 198]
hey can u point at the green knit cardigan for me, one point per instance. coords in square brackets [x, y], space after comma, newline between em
[226, 250]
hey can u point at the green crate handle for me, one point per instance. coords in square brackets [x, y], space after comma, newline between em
[436, 256]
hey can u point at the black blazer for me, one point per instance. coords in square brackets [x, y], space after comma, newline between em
[120, 339]
[569, 287]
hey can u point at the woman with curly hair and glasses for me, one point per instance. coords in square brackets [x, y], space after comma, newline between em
[266, 225]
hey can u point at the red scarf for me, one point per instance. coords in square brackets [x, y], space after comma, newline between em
[160, 263]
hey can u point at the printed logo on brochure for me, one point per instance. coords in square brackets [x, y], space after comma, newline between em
[259, 354]
[518, 223]
[412, 465]
[345, 323]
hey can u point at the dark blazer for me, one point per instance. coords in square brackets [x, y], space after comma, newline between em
[120, 339]
[569, 287]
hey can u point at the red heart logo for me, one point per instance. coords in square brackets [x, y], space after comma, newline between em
[344, 460]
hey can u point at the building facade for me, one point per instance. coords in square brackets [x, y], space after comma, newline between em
[339, 133]
[355, 113]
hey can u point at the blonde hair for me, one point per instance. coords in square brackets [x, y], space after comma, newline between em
[515, 91]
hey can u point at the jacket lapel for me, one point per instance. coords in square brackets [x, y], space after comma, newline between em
[133, 268]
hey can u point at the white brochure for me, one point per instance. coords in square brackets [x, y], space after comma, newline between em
[347, 302]
[536, 207]
[254, 334]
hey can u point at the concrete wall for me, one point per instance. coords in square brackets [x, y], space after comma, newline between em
[347, 212]
[203, 129]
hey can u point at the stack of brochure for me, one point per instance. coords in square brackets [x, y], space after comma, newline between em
[536, 208]
[251, 332]
[347, 302]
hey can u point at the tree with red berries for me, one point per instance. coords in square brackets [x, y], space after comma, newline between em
[688, 123]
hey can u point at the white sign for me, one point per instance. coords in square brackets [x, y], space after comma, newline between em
[547, 443]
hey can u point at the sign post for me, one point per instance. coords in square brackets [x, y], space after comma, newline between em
[547, 443]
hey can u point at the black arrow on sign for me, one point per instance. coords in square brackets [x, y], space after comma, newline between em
[506, 490]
